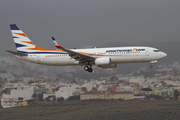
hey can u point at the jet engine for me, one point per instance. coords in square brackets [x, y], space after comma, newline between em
[103, 61]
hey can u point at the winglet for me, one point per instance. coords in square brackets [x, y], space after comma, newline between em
[56, 44]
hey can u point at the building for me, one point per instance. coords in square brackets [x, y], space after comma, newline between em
[8, 90]
[49, 95]
[107, 95]
[8, 101]
[106, 86]
[91, 95]
[27, 79]
[64, 93]
[139, 96]
[25, 94]
[24, 103]
[120, 95]
[39, 90]
[0, 95]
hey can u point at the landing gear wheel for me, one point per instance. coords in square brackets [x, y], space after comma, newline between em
[90, 70]
[86, 68]
[150, 66]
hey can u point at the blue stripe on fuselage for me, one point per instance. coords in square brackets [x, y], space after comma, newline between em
[42, 52]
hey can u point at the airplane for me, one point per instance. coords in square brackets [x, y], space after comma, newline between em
[107, 57]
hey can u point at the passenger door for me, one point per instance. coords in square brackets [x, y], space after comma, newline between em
[147, 52]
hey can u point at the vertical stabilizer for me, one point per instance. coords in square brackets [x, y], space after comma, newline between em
[22, 42]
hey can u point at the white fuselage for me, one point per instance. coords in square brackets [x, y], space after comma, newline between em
[102, 57]
[117, 54]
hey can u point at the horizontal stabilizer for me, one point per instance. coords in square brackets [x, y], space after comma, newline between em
[16, 53]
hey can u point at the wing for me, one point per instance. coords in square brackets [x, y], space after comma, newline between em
[81, 58]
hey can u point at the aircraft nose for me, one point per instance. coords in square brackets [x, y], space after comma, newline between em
[163, 54]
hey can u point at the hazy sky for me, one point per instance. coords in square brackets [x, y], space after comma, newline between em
[77, 23]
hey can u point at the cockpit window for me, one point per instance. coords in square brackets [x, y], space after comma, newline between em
[156, 50]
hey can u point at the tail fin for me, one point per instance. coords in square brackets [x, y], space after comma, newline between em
[22, 42]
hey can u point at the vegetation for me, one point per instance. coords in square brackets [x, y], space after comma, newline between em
[146, 89]
[176, 94]
[96, 110]
[60, 99]
[47, 99]
[157, 97]
[20, 99]
[30, 82]
[30, 101]
[76, 97]
[40, 97]
[34, 96]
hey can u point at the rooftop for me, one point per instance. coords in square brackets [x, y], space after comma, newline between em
[120, 93]
[91, 93]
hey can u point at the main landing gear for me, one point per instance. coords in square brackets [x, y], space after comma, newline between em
[88, 68]
[150, 66]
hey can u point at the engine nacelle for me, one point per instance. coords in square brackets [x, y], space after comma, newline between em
[108, 66]
[103, 61]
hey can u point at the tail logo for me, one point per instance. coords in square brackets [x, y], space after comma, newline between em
[21, 34]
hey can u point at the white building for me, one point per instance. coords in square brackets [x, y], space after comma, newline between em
[25, 94]
[139, 96]
[137, 79]
[100, 88]
[8, 101]
[63, 93]
[48, 95]
[72, 87]
[89, 86]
